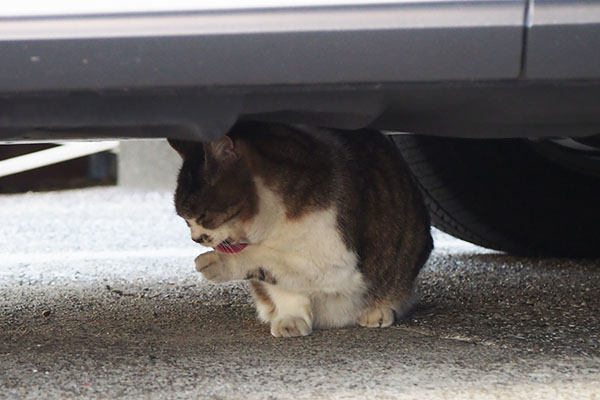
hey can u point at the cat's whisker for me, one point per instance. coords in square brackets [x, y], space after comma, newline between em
[227, 245]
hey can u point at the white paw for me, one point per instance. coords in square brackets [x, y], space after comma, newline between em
[290, 327]
[378, 317]
[210, 266]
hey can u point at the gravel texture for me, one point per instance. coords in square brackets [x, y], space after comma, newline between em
[99, 298]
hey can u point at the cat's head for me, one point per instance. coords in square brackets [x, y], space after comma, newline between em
[215, 193]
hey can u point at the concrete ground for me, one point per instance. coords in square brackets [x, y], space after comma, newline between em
[99, 298]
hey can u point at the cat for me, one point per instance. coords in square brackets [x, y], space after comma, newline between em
[328, 226]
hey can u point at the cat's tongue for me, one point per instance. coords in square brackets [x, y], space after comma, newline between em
[226, 247]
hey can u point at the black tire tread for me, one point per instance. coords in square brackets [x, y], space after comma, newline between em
[445, 169]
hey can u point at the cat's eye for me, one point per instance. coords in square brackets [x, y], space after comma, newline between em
[200, 218]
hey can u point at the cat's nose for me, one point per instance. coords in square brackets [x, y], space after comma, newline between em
[201, 239]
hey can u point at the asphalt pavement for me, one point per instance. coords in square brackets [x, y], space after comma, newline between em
[99, 299]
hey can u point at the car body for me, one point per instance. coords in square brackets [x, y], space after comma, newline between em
[492, 68]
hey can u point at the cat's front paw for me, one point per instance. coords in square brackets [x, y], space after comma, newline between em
[210, 266]
[290, 327]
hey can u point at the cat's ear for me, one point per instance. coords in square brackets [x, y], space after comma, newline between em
[221, 150]
[220, 156]
[186, 148]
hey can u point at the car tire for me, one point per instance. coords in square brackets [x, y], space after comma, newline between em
[504, 195]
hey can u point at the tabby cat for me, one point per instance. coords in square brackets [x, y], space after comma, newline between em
[327, 225]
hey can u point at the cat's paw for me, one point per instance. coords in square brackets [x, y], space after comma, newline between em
[290, 327]
[377, 317]
[210, 266]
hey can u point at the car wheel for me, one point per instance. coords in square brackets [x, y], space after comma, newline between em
[507, 194]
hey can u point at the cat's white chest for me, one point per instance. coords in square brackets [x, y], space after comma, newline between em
[307, 253]
[312, 259]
